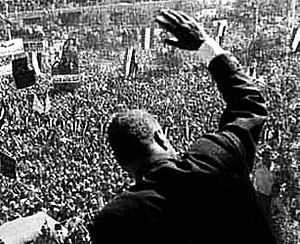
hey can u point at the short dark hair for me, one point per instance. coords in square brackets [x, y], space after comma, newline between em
[129, 133]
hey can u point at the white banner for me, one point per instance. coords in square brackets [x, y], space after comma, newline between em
[6, 69]
[66, 79]
[35, 46]
[11, 47]
[26, 229]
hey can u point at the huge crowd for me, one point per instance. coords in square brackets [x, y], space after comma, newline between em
[65, 166]
[29, 5]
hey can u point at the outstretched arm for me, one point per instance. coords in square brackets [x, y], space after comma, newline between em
[245, 113]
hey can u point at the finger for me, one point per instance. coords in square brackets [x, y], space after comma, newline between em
[186, 17]
[190, 19]
[170, 18]
[174, 15]
[165, 23]
[180, 18]
[176, 29]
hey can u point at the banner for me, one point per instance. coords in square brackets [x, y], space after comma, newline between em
[6, 69]
[63, 79]
[21, 73]
[11, 47]
[64, 57]
[32, 20]
[27, 229]
[66, 82]
[69, 18]
[7, 165]
[35, 46]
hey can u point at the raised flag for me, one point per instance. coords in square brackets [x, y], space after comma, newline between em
[37, 105]
[17, 114]
[11, 47]
[2, 114]
[35, 63]
[5, 19]
[295, 39]
[7, 165]
[130, 64]
[47, 104]
[187, 130]
[147, 38]
[222, 26]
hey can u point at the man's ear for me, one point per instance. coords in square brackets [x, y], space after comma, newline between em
[161, 139]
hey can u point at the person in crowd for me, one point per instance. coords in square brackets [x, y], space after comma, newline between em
[58, 234]
[206, 195]
[45, 236]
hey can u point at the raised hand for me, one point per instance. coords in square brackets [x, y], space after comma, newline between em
[188, 32]
[189, 35]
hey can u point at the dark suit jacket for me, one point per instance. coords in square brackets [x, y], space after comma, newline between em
[205, 196]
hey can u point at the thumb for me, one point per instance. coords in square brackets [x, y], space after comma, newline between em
[172, 42]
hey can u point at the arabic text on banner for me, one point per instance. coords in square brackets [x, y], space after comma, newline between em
[11, 47]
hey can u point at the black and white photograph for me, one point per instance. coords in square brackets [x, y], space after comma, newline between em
[149, 121]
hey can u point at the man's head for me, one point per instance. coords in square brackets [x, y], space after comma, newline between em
[137, 139]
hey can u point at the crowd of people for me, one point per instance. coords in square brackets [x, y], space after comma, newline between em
[27, 5]
[65, 166]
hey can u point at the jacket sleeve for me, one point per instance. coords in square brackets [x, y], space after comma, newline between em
[234, 145]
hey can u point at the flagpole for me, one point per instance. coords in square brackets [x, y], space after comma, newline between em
[293, 13]
[256, 19]
[8, 26]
